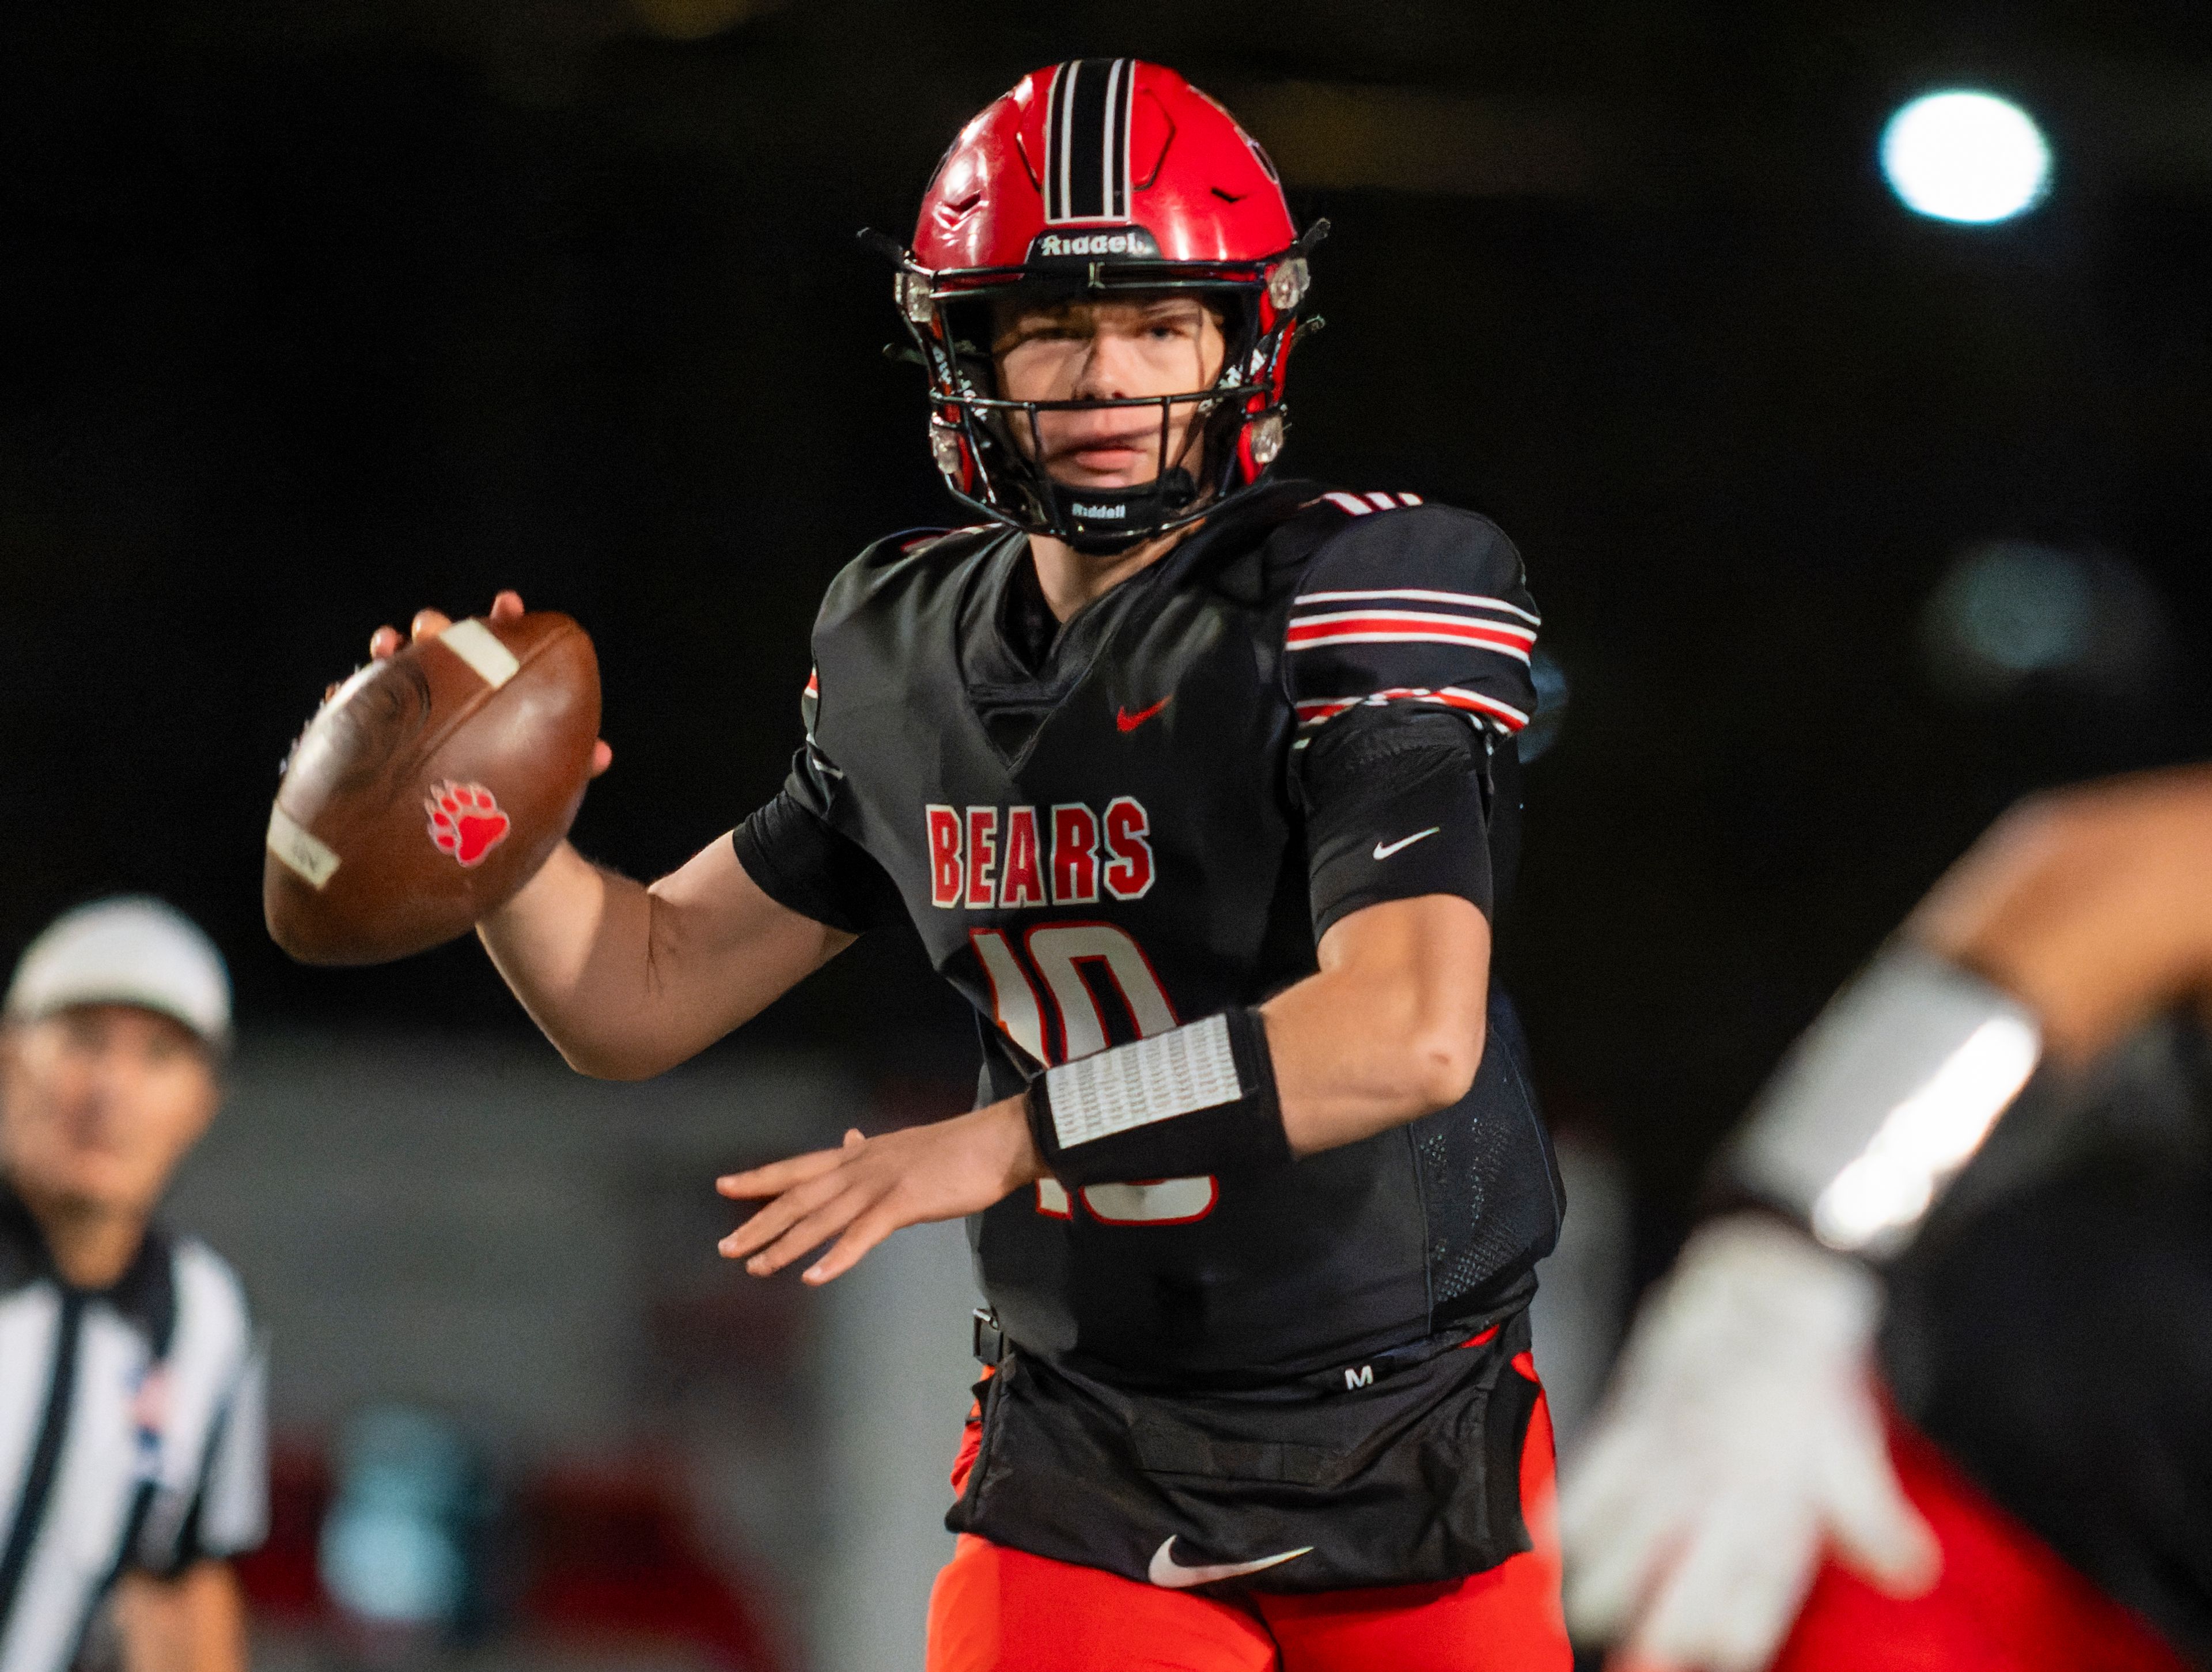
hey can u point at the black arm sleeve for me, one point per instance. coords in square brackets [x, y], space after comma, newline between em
[1396, 799]
[800, 862]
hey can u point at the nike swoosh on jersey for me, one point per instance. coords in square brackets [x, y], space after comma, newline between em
[1129, 722]
[1383, 850]
[1167, 1572]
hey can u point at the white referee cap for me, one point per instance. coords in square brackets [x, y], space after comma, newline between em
[131, 950]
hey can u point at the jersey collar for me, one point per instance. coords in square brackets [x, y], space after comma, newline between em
[990, 663]
[145, 1294]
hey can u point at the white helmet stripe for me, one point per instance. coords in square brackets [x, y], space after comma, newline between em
[1064, 86]
[1113, 153]
[1087, 122]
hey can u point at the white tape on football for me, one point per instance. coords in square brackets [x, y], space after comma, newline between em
[300, 850]
[476, 644]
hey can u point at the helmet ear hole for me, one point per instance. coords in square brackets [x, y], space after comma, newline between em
[968, 326]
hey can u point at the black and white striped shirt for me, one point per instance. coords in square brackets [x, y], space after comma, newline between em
[132, 1432]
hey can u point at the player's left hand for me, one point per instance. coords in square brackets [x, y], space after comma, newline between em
[868, 1187]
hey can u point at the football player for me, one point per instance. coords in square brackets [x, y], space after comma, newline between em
[1200, 784]
[1841, 1438]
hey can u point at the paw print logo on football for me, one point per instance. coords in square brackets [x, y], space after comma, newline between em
[466, 821]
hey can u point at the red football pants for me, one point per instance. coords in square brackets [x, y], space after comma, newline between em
[2006, 1601]
[995, 1609]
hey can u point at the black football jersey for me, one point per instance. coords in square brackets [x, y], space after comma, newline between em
[1098, 831]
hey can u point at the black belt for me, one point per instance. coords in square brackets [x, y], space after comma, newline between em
[988, 1341]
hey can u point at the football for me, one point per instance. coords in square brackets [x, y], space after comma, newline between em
[430, 788]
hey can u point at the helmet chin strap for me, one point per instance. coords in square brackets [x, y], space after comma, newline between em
[1105, 522]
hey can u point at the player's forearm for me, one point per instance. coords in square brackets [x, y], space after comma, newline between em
[2092, 906]
[573, 947]
[1391, 1027]
[1349, 1064]
[628, 981]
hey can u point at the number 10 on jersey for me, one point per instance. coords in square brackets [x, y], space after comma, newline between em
[1057, 953]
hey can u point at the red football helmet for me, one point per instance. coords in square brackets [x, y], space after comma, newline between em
[1095, 176]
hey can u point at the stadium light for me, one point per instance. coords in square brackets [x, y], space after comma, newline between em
[1966, 156]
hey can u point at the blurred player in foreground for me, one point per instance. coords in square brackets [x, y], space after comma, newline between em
[1844, 1437]
[1200, 785]
[130, 1386]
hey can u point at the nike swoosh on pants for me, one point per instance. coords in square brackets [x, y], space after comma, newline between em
[1168, 1572]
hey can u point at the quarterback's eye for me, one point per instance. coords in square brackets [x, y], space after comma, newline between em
[1041, 332]
[1172, 319]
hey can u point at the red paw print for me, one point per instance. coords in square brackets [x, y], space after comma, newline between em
[466, 821]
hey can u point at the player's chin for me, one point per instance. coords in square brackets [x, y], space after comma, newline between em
[1136, 471]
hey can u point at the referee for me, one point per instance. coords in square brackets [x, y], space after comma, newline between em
[132, 1431]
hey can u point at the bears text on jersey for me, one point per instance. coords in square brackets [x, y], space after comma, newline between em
[985, 858]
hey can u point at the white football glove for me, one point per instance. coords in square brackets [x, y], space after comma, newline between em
[1738, 1443]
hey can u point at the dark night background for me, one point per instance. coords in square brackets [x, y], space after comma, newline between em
[316, 314]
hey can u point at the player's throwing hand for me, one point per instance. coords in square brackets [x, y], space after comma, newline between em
[386, 642]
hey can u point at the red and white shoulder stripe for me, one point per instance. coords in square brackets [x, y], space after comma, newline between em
[1457, 630]
[1411, 616]
[1365, 505]
[1313, 711]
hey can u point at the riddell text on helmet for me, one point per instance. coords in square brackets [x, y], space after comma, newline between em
[1132, 241]
[992, 858]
